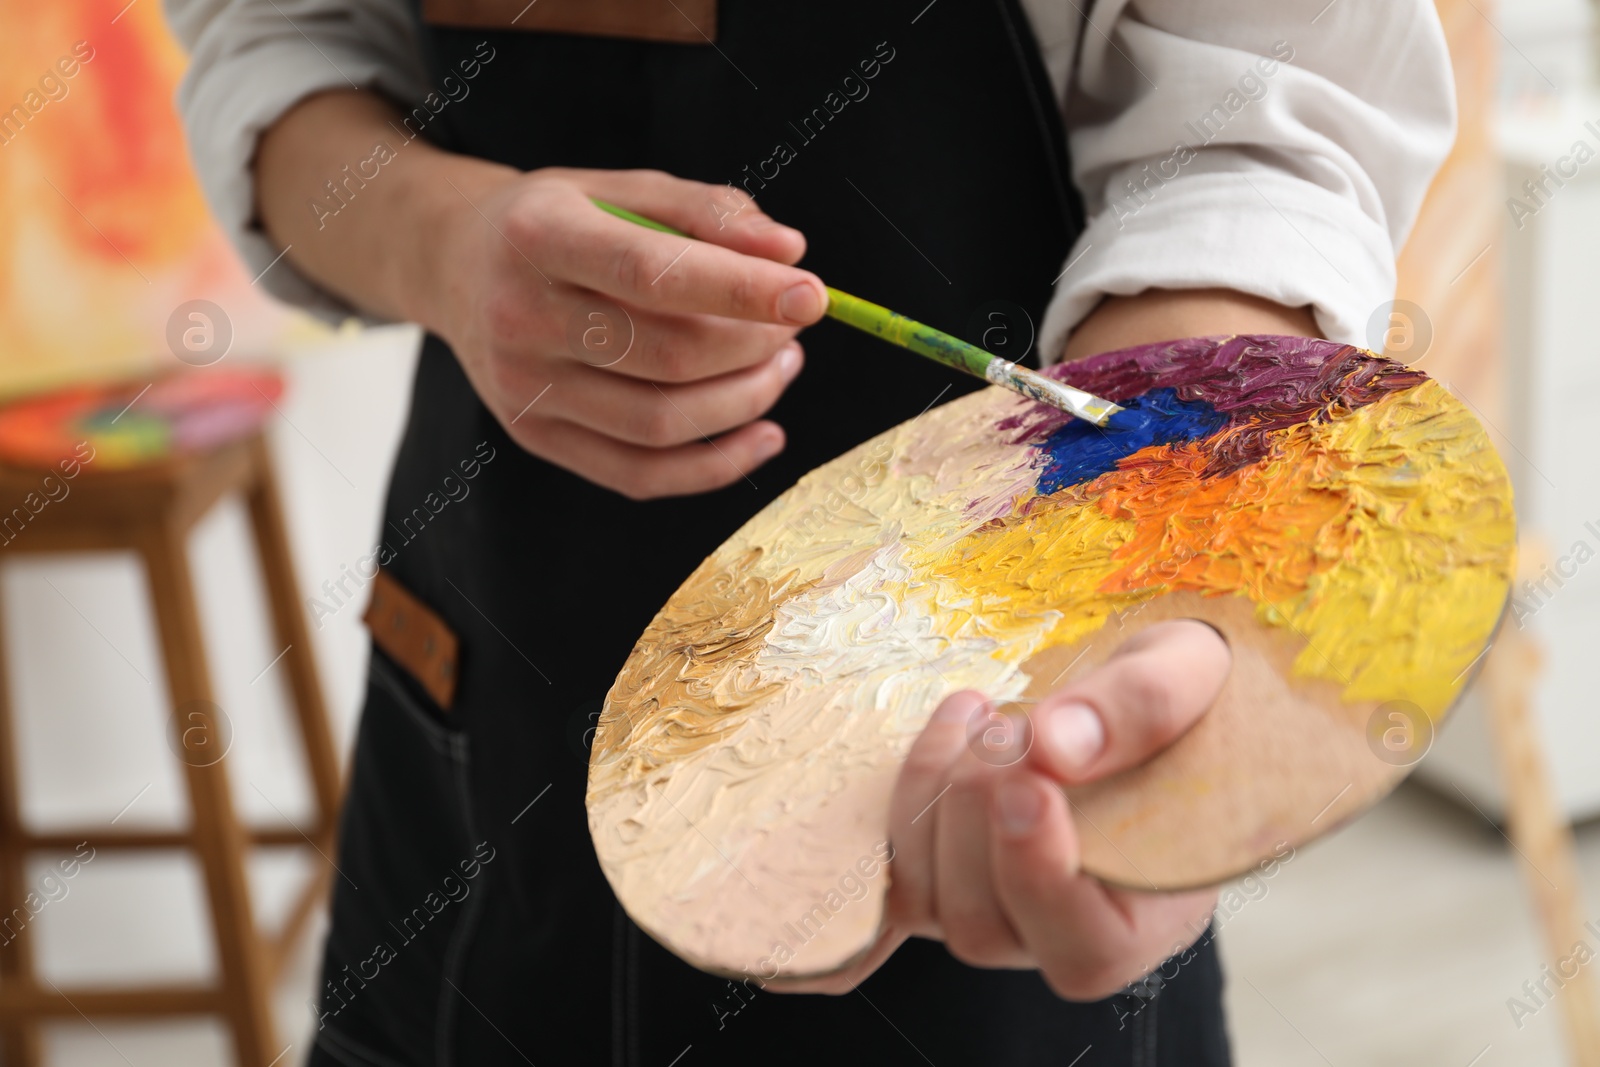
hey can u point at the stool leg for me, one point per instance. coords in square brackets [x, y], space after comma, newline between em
[289, 621]
[19, 1042]
[219, 838]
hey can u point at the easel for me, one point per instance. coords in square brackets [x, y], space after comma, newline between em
[1539, 829]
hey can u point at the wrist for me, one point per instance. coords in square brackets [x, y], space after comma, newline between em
[443, 194]
[385, 217]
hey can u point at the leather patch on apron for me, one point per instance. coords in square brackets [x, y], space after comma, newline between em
[414, 637]
[676, 21]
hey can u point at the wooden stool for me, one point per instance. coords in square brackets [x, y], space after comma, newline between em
[150, 509]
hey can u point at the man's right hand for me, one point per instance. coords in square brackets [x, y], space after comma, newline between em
[652, 357]
[539, 292]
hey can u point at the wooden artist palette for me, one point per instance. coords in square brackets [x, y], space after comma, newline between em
[1341, 519]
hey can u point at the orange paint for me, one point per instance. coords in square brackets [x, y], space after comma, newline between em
[1263, 527]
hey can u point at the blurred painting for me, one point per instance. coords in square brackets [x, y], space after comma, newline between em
[104, 234]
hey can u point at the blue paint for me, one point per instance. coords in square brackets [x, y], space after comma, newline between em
[1080, 451]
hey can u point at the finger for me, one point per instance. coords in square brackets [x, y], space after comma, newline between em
[674, 348]
[920, 789]
[722, 214]
[586, 246]
[1087, 941]
[568, 323]
[1141, 700]
[661, 416]
[848, 977]
[975, 928]
[642, 473]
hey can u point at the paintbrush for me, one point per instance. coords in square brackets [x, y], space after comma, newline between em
[937, 345]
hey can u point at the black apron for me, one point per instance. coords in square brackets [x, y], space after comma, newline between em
[471, 923]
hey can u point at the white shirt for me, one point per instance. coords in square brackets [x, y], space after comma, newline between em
[1204, 158]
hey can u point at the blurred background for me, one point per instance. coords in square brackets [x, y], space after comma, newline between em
[1406, 939]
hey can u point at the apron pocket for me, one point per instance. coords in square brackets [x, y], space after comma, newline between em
[408, 886]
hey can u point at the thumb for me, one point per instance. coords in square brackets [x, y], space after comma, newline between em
[1138, 702]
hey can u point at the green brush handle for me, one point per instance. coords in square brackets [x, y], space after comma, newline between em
[907, 333]
[866, 316]
[935, 344]
[624, 213]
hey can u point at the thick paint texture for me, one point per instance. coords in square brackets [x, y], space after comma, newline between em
[1321, 536]
[1077, 451]
[1292, 385]
[1354, 505]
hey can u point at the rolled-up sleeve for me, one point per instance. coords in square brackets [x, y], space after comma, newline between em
[1252, 145]
[251, 61]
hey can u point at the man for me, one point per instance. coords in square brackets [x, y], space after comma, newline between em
[1235, 166]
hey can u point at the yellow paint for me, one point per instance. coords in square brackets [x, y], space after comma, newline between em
[1392, 576]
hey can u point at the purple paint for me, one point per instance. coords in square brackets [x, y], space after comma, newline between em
[1259, 382]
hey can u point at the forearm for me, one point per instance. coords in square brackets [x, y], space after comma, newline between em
[1169, 314]
[395, 203]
